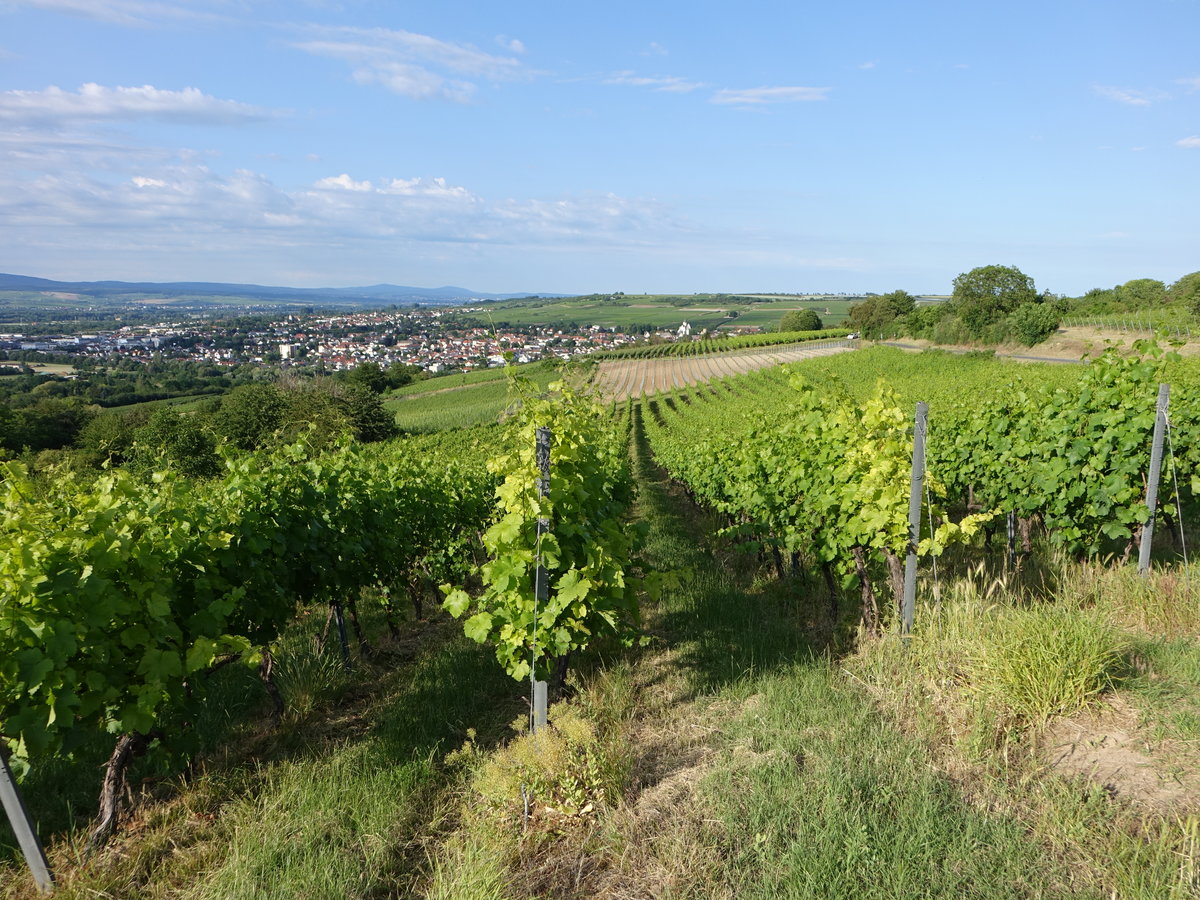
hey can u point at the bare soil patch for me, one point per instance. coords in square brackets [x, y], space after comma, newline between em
[1070, 344]
[1106, 748]
[622, 378]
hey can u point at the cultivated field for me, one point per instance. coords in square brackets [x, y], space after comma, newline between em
[622, 378]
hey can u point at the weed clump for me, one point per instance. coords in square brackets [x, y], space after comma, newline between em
[548, 780]
[1031, 663]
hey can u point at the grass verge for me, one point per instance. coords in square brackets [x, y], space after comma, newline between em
[1074, 714]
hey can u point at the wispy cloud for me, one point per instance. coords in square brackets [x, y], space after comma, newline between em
[763, 96]
[151, 200]
[870, 64]
[512, 45]
[1192, 84]
[1127, 96]
[656, 49]
[1190, 143]
[135, 13]
[413, 65]
[94, 102]
[669, 83]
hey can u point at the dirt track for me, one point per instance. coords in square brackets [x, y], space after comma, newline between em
[621, 378]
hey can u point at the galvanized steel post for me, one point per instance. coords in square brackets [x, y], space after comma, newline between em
[914, 519]
[22, 826]
[538, 701]
[1160, 426]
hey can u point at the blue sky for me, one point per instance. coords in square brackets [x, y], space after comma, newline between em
[600, 146]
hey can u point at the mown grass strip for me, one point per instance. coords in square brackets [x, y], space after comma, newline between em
[815, 793]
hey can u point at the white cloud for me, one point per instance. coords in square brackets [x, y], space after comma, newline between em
[1127, 96]
[868, 65]
[766, 95]
[413, 65]
[668, 83]
[656, 49]
[1192, 84]
[426, 187]
[94, 102]
[136, 13]
[344, 182]
[512, 45]
[1190, 143]
[152, 206]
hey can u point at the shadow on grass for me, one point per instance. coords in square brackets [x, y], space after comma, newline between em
[382, 728]
[725, 624]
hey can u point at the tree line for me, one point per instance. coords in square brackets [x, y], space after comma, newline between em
[47, 430]
[1001, 304]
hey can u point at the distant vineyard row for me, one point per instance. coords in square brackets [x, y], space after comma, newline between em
[805, 467]
[622, 378]
[719, 345]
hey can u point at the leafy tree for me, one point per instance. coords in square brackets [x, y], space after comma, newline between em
[313, 411]
[988, 293]
[1186, 291]
[369, 376]
[876, 313]
[181, 442]
[369, 419]
[1032, 323]
[923, 319]
[48, 424]
[250, 415]
[1141, 293]
[110, 434]
[10, 436]
[399, 374]
[800, 320]
[324, 409]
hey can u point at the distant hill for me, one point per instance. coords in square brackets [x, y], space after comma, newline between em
[372, 295]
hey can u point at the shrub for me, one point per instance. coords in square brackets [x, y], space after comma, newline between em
[800, 320]
[950, 330]
[1032, 323]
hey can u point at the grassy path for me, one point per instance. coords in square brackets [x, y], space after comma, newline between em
[799, 787]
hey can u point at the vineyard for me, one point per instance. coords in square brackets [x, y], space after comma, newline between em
[815, 472]
[707, 567]
[637, 376]
[709, 345]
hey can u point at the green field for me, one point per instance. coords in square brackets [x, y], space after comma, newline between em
[462, 400]
[661, 311]
[41, 368]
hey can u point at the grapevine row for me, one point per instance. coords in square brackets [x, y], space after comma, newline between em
[814, 470]
[118, 597]
[585, 551]
[720, 344]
